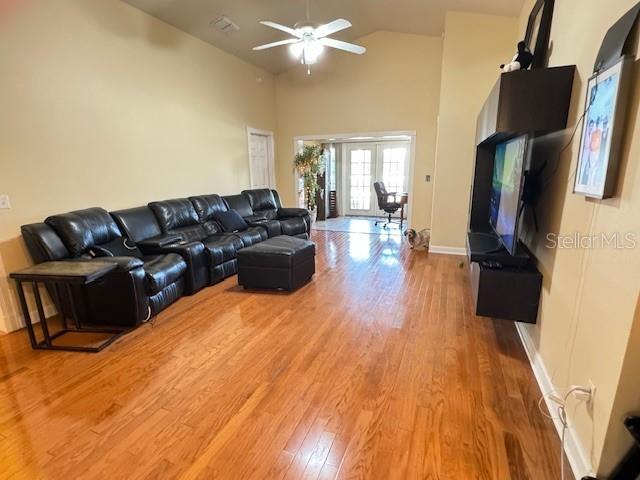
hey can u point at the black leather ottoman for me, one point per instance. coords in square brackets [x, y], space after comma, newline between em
[281, 262]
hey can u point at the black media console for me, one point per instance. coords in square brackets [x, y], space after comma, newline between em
[533, 102]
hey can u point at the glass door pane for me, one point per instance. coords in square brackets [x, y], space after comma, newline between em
[360, 180]
[394, 166]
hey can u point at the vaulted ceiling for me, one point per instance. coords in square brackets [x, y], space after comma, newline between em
[406, 16]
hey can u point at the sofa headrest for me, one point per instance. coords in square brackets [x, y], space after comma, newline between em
[261, 199]
[43, 243]
[207, 206]
[239, 203]
[83, 229]
[173, 214]
[138, 223]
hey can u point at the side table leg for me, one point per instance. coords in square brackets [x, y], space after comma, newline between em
[25, 314]
[43, 317]
[58, 302]
[74, 312]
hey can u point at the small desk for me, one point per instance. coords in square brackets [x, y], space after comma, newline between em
[60, 277]
[402, 199]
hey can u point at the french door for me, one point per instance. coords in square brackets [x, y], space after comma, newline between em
[372, 162]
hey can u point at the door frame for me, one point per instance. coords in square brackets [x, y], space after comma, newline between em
[378, 145]
[369, 137]
[270, 152]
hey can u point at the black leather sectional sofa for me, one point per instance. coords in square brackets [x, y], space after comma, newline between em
[163, 250]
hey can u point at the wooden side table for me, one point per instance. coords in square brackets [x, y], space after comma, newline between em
[60, 277]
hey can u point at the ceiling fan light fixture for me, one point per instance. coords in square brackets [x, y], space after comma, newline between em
[312, 50]
[308, 42]
[307, 51]
[296, 50]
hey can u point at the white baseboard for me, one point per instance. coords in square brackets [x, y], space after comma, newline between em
[575, 452]
[15, 321]
[447, 250]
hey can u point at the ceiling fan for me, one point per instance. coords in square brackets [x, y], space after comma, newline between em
[309, 41]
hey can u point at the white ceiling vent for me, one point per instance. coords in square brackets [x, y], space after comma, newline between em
[225, 25]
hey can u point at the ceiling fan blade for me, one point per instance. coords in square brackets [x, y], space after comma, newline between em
[331, 27]
[340, 45]
[282, 28]
[277, 44]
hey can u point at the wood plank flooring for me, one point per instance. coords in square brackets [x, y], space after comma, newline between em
[375, 370]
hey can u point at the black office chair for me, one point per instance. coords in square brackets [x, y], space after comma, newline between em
[384, 203]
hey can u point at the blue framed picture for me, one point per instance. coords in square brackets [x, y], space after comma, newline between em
[602, 131]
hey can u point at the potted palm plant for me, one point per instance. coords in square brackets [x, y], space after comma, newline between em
[309, 163]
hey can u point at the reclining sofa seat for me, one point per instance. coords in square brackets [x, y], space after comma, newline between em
[265, 203]
[92, 233]
[179, 217]
[240, 203]
[208, 207]
[117, 299]
[126, 296]
[141, 227]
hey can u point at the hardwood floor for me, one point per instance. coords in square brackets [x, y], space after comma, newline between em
[359, 225]
[377, 369]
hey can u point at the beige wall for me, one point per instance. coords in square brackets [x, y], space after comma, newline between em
[394, 86]
[104, 105]
[474, 47]
[590, 297]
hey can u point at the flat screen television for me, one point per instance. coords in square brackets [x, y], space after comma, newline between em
[506, 190]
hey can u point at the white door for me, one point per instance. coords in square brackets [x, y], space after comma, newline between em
[372, 162]
[261, 164]
[361, 165]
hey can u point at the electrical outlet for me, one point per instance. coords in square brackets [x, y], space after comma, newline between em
[4, 201]
[427, 178]
[583, 393]
[592, 386]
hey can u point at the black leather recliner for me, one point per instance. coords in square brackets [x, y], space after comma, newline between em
[93, 233]
[140, 287]
[265, 203]
[208, 207]
[117, 299]
[140, 226]
[179, 217]
[240, 203]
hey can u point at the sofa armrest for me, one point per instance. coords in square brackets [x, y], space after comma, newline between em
[195, 256]
[160, 241]
[255, 219]
[125, 264]
[292, 212]
[179, 247]
[256, 222]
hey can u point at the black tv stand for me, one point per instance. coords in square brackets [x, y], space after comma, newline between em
[487, 247]
[510, 291]
[533, 102]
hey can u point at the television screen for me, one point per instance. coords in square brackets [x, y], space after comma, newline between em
[506, 189]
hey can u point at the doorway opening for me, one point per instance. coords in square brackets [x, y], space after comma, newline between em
[354, 162]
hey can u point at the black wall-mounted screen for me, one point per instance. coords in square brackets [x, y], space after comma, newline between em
[506, 190]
